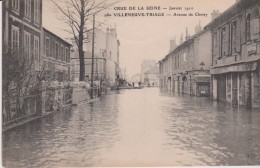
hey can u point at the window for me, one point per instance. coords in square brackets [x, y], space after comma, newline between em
[67, 55]
[36, 48]
[27, 8]
[215, 43]
[177, 61]
[233, 36]
[16, 5]
[47, 46]
[223, 35]
[15, 38]
[56, 50]
[37, 11]
[248, 19]
[61, 53]
[184, 57]
[27, 44]
[255, 31]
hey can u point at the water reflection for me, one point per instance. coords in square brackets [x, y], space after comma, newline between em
[137, 128]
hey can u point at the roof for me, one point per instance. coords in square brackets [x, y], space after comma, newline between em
[189, 40]
[232, 11]
[48, 31]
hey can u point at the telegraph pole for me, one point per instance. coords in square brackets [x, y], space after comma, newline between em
[92, 61]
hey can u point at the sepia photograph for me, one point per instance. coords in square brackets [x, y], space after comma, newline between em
[130, 83]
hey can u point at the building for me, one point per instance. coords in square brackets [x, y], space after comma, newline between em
[99, 69]
[22, 25]
[186, 69]
[151, 76]
[236, 54]
[106, 57]
[56, 56]
[136, 78]
[23, 33]
[146, 64]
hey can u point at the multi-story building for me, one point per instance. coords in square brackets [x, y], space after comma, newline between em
[106, 57]
[146, 64]
[151, 76]
[186, 68]
[56, 55]
[236, 54]
[22, 24]
[136, 78]
[23, 33]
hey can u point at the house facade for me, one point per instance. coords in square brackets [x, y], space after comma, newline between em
[236, 54]
[106, 57]
[151, 76]
[22, 24]
[146, 65]
[186, 69]
[56, 56]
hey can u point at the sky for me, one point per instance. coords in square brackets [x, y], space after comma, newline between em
[145, 37]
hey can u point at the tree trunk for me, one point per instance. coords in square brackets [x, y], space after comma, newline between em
[82, 64]
[81, 57]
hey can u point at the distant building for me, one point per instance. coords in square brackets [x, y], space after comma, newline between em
[187, 68]
[146, 64]
[151, 76]
[56, 55]
[236, 54]
[136, 78]
[106, 57]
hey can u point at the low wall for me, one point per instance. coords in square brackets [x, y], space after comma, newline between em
[79, 95]
[49, 97]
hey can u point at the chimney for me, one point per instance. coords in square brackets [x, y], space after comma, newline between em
[181, 40]
[113, 32]
[215, 14]
[187, 34]
[172, 44]
[198, 28]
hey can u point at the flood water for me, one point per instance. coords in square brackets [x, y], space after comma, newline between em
[139, 127]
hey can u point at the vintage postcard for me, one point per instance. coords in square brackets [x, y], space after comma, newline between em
[130, 83]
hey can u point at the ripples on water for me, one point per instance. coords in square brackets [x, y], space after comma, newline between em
[137, 128]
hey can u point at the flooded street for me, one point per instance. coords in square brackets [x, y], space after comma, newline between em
[138, 127]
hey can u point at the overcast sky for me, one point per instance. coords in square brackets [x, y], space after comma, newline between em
[146, 37]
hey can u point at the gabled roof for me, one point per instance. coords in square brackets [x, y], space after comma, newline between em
[48, 31]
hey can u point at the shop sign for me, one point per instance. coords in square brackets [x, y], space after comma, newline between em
[250, 67]
[235, 68]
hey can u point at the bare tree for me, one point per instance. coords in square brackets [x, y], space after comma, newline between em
[76, 14]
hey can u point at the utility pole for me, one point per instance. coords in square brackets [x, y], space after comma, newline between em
[92, 61]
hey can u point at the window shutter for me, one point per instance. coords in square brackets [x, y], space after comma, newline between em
[238, 36]
[254, 25]
[226, 41]
[243, 29]
[216, 44]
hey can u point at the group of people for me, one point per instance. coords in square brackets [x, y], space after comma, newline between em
[133, 84]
